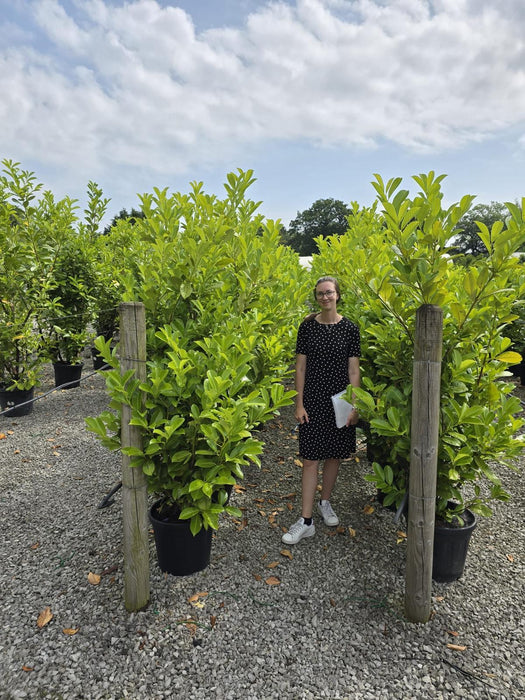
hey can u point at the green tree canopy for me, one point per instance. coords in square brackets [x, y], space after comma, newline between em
[326, 217]
[468, 242]
[123, 214]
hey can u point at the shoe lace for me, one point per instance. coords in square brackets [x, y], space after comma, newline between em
[327, 508]
[296, 528]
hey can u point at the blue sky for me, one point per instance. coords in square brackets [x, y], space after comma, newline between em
[314, 95]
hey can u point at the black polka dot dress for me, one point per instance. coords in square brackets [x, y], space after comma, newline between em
[327, 348]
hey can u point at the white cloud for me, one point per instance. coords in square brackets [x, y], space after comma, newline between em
[134, 84]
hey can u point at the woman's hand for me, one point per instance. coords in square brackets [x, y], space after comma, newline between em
[301, 415]
[353, 418]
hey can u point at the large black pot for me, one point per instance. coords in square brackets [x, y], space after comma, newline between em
[519, 371]
[67, 374]
[179, 552]
[450, 549]
[12, 399]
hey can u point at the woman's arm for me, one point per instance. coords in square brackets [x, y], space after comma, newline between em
[300, 372]
[354, 374]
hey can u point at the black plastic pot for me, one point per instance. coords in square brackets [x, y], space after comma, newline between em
[518, 371]
[178, 551]
[12, 399]
[67, 374]
[450, 549]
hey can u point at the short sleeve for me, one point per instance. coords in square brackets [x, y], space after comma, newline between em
[354, 346]
[301, 345]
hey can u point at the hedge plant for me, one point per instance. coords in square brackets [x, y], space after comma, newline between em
[395, 257]
[222, 300]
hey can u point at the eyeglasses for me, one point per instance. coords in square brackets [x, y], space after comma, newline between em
[328, 294]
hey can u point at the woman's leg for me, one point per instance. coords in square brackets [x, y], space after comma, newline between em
[309, 482]
[330, 471]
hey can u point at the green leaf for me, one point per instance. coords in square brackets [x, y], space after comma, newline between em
[510, 357]
[188, 513]
[132, 451]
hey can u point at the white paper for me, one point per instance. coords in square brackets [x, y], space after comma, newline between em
[342, 409]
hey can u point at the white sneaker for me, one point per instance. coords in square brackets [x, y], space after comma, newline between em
[326, 510]
[297, 531]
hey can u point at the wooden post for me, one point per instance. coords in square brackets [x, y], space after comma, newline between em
[423, 462]
[134, 487]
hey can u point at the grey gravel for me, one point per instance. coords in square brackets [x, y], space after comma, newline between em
[333, 628]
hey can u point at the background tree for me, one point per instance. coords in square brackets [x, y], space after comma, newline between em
[326, 217]
[123, 214]
[468, 242]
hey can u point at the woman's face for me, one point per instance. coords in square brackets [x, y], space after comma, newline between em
[326, 295]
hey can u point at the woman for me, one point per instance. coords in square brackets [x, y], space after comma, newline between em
[328, 349]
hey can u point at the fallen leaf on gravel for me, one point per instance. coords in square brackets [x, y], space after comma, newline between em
[402, 534]
[16, 452]
[258, 500]
[456, 647]
[273, 581]
[45, 616]
[510, 558]
[36, 545]
[351, 532]
[332, 602]
[238, 489]
[10, 432]
[257, 577]
[368, 509]
[440, 598]
[27, 668]
[213, 620]
[289, 495]
[298, 462]
[286, 553]
[454, 634]
[289, 506]
[70, 630]
[3, 436]
[262, 512]
[94, 579]
[272, 565]
[196, 597]
[341, 530]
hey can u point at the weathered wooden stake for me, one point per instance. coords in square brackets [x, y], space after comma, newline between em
[423, 462]
[134, 488]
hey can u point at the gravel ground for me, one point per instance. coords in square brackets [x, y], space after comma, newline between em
[332, 628]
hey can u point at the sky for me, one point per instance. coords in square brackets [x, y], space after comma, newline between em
[315, 96]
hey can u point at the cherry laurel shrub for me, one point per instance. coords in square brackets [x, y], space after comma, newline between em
[395, 257]
[222, 300]
[33, 228]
